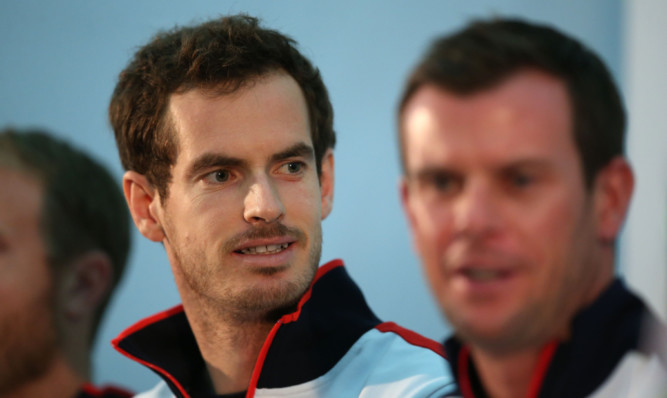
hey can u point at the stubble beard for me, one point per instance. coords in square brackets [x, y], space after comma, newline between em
[250, 303]
[543, 318]
[519, 330]
[28, 344]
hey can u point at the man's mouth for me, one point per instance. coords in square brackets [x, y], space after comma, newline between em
[264, 249]
[483, 275]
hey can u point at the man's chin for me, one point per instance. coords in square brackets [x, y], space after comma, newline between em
[26, 357]
[277, 312]
[267, 303]
[494, 343]
[499, 336]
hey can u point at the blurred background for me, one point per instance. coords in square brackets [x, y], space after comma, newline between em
[60, 60]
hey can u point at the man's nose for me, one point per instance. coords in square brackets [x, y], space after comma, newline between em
[262, 202]
[477, 211]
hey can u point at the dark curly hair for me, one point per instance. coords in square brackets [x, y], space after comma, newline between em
[224, 54]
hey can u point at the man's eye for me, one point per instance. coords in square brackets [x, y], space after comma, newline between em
[221, 175]
[294, 167]
[218, 176]
[442, 182]
[520, 180]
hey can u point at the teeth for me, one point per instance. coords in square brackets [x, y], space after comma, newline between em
[482, 275]
[265, 249]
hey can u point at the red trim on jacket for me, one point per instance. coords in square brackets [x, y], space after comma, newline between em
[145, 322]
[463, 363]
[106, 391]
[541, 370]
[257, 371]
[140, 325]
[156, 369]
[90, 389]
[287, 318]
[412, 337]
[321, 271]
[536, 379]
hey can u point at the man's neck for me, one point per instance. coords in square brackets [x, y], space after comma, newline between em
[230, 347]
[59, 381]
[507, 375]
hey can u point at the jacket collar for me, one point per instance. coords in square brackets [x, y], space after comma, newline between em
[302, 345]
[602, 334]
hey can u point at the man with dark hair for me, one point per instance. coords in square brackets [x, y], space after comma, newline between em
[226, 131]
[516, 186]
[64, 240]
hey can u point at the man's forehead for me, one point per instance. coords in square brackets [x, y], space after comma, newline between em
[525, 120]
[256, 123]
[532, 85]
[230, 91]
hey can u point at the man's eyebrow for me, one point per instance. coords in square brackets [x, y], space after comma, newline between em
[430, 172]
[300, 149]
[212, 160]
[531, 163]
[209, 160]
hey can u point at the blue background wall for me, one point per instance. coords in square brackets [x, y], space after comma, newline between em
[60, 61]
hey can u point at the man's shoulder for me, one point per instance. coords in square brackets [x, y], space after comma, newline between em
[626, 344]
[391, 361]
[637, 375]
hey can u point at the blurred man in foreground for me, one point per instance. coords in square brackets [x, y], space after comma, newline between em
[64, 239]
[516, 186]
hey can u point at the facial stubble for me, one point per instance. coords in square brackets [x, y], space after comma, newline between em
[251, 303]
[28, 343]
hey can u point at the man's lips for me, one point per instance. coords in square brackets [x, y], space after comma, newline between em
[476, 274]
[485, 268]
[265, 246]
[481, 264]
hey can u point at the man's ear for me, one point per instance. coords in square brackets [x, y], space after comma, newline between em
[143, 200]
[85, 284]
[613, 190]
[404, 191]
[327, 183]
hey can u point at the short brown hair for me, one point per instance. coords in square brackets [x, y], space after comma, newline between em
[83, 207]
[485, 53]
[222, 54]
